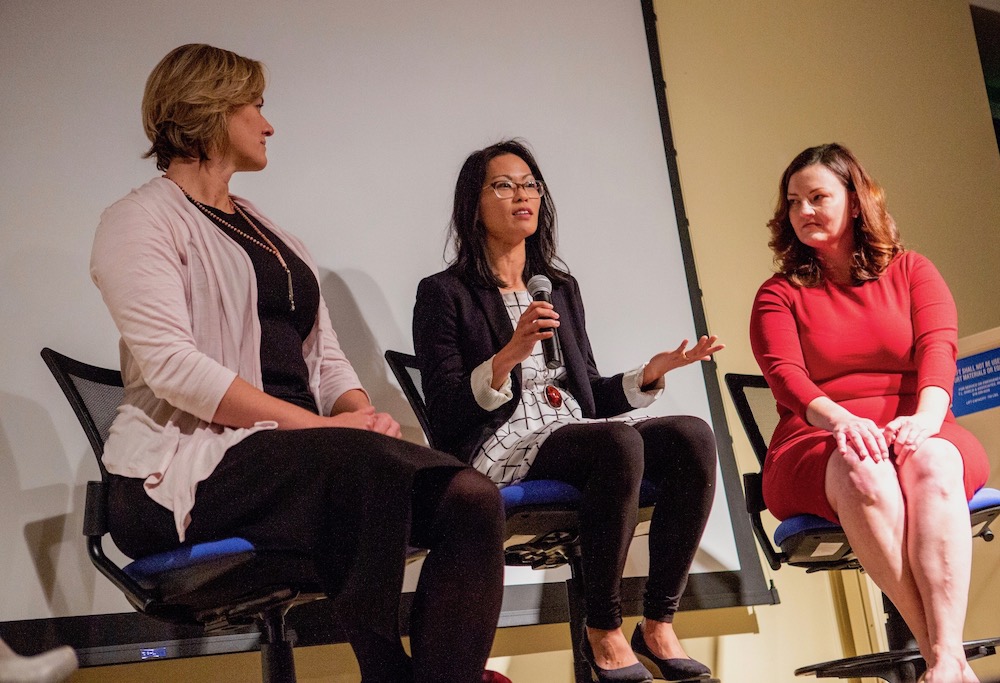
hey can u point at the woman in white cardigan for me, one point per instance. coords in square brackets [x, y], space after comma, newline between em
[242, 417]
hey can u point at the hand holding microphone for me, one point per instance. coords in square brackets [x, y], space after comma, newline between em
[540, 289]
[538, 323]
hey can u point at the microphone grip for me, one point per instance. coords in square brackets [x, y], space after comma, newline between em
[550, 346]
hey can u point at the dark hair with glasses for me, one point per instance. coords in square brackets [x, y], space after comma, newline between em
[467, 233]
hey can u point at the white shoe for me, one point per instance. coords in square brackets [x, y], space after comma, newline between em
[48, 667]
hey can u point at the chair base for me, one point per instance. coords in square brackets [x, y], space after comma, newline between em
[897, 666]
[276, 646]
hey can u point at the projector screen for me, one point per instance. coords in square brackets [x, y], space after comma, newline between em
[375, 105]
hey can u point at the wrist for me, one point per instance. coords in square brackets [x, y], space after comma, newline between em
[502, 367]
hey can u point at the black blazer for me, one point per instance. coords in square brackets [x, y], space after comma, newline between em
[458, 325]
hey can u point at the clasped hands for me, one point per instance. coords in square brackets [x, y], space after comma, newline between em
[862, 437]
[365, 418]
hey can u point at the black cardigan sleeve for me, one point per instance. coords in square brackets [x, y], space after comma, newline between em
[451, 339]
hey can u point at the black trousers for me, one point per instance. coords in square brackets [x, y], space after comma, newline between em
[607, 462]
[352, 500]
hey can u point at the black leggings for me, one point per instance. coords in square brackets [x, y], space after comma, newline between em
[607, 462]
[285, 490]
[457, 602]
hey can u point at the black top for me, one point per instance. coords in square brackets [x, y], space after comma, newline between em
[282, 331]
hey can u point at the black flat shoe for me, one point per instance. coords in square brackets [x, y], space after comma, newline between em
[676, 670]
[635, 673]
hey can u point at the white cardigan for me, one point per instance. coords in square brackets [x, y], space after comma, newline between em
[183, 295]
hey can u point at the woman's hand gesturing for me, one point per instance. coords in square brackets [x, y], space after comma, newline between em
[665, 361]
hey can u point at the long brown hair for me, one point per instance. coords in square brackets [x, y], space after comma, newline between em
[876, 238]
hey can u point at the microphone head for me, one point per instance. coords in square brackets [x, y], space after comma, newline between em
[539, 283]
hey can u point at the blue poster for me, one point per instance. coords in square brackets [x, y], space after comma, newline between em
[977, 383]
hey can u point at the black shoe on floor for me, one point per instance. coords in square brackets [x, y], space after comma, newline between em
[677, 670]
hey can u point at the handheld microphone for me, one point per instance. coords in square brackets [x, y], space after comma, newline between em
[540, 289]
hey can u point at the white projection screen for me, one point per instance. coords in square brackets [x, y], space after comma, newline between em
[375, 104]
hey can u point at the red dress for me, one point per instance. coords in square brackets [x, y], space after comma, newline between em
[871, 348]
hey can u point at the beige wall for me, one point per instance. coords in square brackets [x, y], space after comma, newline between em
[751, 84]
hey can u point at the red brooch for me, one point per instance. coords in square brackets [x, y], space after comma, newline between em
[553, 397]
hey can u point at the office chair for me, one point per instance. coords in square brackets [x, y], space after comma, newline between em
[222, 585]
[818, 544]
[545, 509]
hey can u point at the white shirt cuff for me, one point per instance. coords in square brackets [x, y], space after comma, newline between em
[636, 397]
[486, 396]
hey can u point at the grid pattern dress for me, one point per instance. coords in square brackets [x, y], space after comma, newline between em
[507, 455]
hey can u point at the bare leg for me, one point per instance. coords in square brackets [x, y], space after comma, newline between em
[662, 640]
[611, 648]
[939, 547]
[868, 499]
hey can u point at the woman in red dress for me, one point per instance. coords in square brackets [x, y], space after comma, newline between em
[857, 338]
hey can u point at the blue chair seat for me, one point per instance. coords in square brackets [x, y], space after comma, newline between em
[802, 524]
[818, 543]
[984, 498]
[536, 492]
[190, 566]
[549, 492]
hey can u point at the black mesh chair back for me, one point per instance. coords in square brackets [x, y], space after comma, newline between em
[756, 409]
[407, 373]
[94, 394]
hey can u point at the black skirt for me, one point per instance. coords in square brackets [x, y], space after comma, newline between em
[340, 497]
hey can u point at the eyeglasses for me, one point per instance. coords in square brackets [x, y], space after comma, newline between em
[506, 189]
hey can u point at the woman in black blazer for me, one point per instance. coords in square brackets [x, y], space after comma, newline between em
[494, 402]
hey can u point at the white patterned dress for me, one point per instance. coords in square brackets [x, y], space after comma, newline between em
[507, 455]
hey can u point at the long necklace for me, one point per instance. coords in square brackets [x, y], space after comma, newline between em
[264, 243]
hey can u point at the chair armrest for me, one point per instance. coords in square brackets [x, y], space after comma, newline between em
[95, 526]
[95, 517]
[753, 489]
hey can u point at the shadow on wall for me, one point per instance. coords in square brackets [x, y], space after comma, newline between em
[359, 343]
[51, 539]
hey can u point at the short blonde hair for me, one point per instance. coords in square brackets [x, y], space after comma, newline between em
[189, 96]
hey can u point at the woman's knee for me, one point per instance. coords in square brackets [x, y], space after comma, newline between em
[854, 481]
[617, 447]
[474, 500]
[686, 440]
[935, 467]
